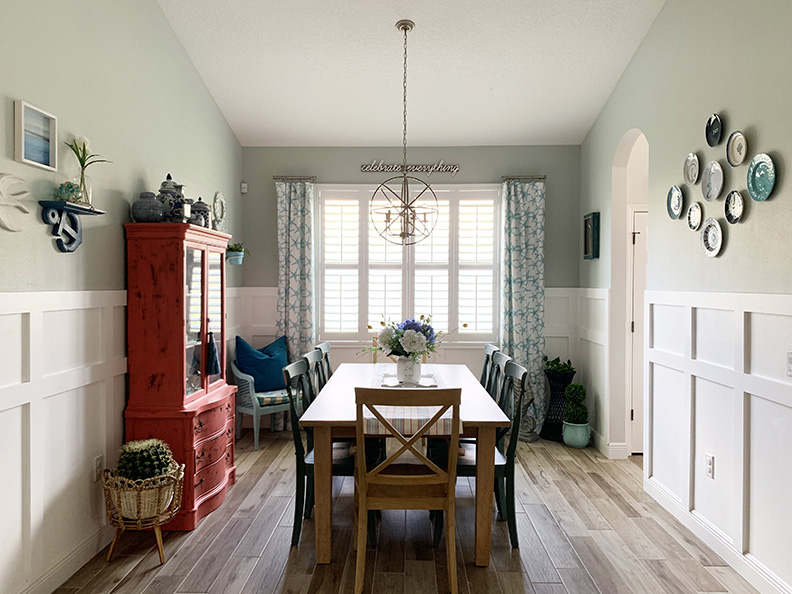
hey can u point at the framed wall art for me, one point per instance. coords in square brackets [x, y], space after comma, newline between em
[591, 224]
[36, 137]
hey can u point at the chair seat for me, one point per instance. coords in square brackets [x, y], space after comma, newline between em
[344, 461]
[466, 462]
[272, 398]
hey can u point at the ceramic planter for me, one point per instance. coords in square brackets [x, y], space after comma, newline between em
[576, 435]
[235, 257]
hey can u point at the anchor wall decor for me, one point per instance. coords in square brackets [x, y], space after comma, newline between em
[65, 220]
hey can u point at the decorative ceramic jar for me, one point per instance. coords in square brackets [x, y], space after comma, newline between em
[408, 371]
[147, 209]
[201, 214]
[576, 435]
[171, 196]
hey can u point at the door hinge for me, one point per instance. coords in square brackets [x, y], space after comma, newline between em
[632, 326]
[634, 233]
[632, 414]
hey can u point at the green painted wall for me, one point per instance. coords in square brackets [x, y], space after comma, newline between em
[115, 73]
[561, 164]
[724, 56]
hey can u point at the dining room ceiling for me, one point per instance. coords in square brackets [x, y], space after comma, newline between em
[320, 73]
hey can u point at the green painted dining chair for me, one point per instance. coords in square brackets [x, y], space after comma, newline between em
[324, 347]
[257, 404]
[512, 391]
[489, 349]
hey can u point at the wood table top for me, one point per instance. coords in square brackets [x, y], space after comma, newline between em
[335, 404]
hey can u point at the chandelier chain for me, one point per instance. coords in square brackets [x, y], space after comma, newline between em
[404, 142]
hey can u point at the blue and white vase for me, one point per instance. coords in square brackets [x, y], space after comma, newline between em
[408, 371]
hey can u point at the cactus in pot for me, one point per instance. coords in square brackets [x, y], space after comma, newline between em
[144, 459]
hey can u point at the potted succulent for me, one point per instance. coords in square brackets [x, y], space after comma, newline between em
[235, 253]
[577, 433]
[143, 486]
[559, 375]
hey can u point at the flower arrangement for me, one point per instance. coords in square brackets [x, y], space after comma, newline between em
[411, 338]
[82, 193]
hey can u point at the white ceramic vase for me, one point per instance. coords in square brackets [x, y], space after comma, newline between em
[408, 371]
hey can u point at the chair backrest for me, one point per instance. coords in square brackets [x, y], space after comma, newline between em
[326, 367]
[499, 360]
[515, 381]
[246, 390]
[489, 349]
[408, 484]
[315, 369]
[300, 390]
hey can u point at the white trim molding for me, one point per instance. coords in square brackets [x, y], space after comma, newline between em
[717, 387]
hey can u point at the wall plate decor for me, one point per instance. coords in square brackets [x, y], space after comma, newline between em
[711, 237]
[736, 148]
[761, 177]
[675, 201]
[691, 169]
[591, 236]
[694, 215]
[36, 137]
[712, 181]
[734, 207]
[714, 129]
[219, 211]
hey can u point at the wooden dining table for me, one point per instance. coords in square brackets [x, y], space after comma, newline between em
[332, 414]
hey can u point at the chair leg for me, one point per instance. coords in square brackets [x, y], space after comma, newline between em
[238, 425]
[256, 421]
[499, 498]
[360, 566]
[298, 507]
[160, 550]
[438, 527]
[451, 549]
[309, 495]
[372, 529]
[511, 516]
[118, 532]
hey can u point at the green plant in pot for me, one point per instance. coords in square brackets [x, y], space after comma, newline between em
[577, 432]
[559, 375]
[235, 253]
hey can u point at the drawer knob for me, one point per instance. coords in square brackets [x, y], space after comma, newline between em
[200, 458]
[199, 483]
[199, 427]
[228, 456]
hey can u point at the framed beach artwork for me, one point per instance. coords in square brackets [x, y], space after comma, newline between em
[36, 141]
[591, 236]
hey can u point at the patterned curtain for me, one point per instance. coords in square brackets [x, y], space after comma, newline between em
[295, 270]
[522, 327]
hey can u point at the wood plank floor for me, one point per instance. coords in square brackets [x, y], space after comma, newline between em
[585, 526]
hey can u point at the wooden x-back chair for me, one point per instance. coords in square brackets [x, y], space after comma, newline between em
[394, 484]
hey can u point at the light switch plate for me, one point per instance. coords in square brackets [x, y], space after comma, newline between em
[243, 188]
[709, 468]
[789, 363]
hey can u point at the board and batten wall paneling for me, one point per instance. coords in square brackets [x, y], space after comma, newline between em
[716, 384]
[62, 396]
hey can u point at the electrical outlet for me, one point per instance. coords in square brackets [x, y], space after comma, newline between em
[710, 466]
[98, 468]
[789, 363]
[243, 188]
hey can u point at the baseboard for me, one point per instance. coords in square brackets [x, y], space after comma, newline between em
[746, 565]
[616, 450]
[58, 574]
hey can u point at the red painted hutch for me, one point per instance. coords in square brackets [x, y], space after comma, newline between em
[176, 353]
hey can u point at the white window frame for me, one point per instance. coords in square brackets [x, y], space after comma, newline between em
[363, 192]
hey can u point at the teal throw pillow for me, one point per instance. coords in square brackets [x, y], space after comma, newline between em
[265, 365]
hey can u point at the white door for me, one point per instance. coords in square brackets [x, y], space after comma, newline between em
[639, 225]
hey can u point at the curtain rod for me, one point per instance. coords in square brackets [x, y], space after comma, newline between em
[310, 178]
[523, 178]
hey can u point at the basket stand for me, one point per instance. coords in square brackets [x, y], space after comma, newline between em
[141, 505]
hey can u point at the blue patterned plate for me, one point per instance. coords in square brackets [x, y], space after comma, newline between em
[694, 216]
[674, 202]
[711, 237]
[712, 181]
[691, 169]
[734, 207]
[736, 148]
[761, 177]
[714, 129]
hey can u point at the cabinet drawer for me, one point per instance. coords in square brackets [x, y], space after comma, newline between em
[209, 422]
[209, 477]
[210, 451]
[229, 455]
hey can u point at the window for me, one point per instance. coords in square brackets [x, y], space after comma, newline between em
[453, 275]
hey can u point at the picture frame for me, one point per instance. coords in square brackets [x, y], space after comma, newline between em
[591, 236]
[36, 136]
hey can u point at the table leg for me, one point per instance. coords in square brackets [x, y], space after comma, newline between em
[485, 477]
[323, 491]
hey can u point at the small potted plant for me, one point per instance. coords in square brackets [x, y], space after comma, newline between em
[559, 375]
[577, 433]
[235, 253]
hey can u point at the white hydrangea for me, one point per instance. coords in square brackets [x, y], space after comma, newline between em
[82, 141]
[385, 339]
[413, 342]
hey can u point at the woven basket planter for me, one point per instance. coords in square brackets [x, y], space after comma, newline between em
[143, 503]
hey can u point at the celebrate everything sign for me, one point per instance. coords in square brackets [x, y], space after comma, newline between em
[382, 167]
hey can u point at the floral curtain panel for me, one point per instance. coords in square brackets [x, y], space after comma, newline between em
[522, 327]
[295, 270]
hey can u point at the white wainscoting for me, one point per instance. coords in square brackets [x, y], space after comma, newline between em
[716, 383]
[576, 327]
[62, 397]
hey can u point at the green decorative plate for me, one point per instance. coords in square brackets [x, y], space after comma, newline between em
[761, 177]
[674, 202]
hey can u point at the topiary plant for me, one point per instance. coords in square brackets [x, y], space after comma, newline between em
[144, 459]
[575, 411]
[557, 366]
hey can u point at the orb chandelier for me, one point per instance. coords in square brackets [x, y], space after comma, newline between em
[399, 215]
